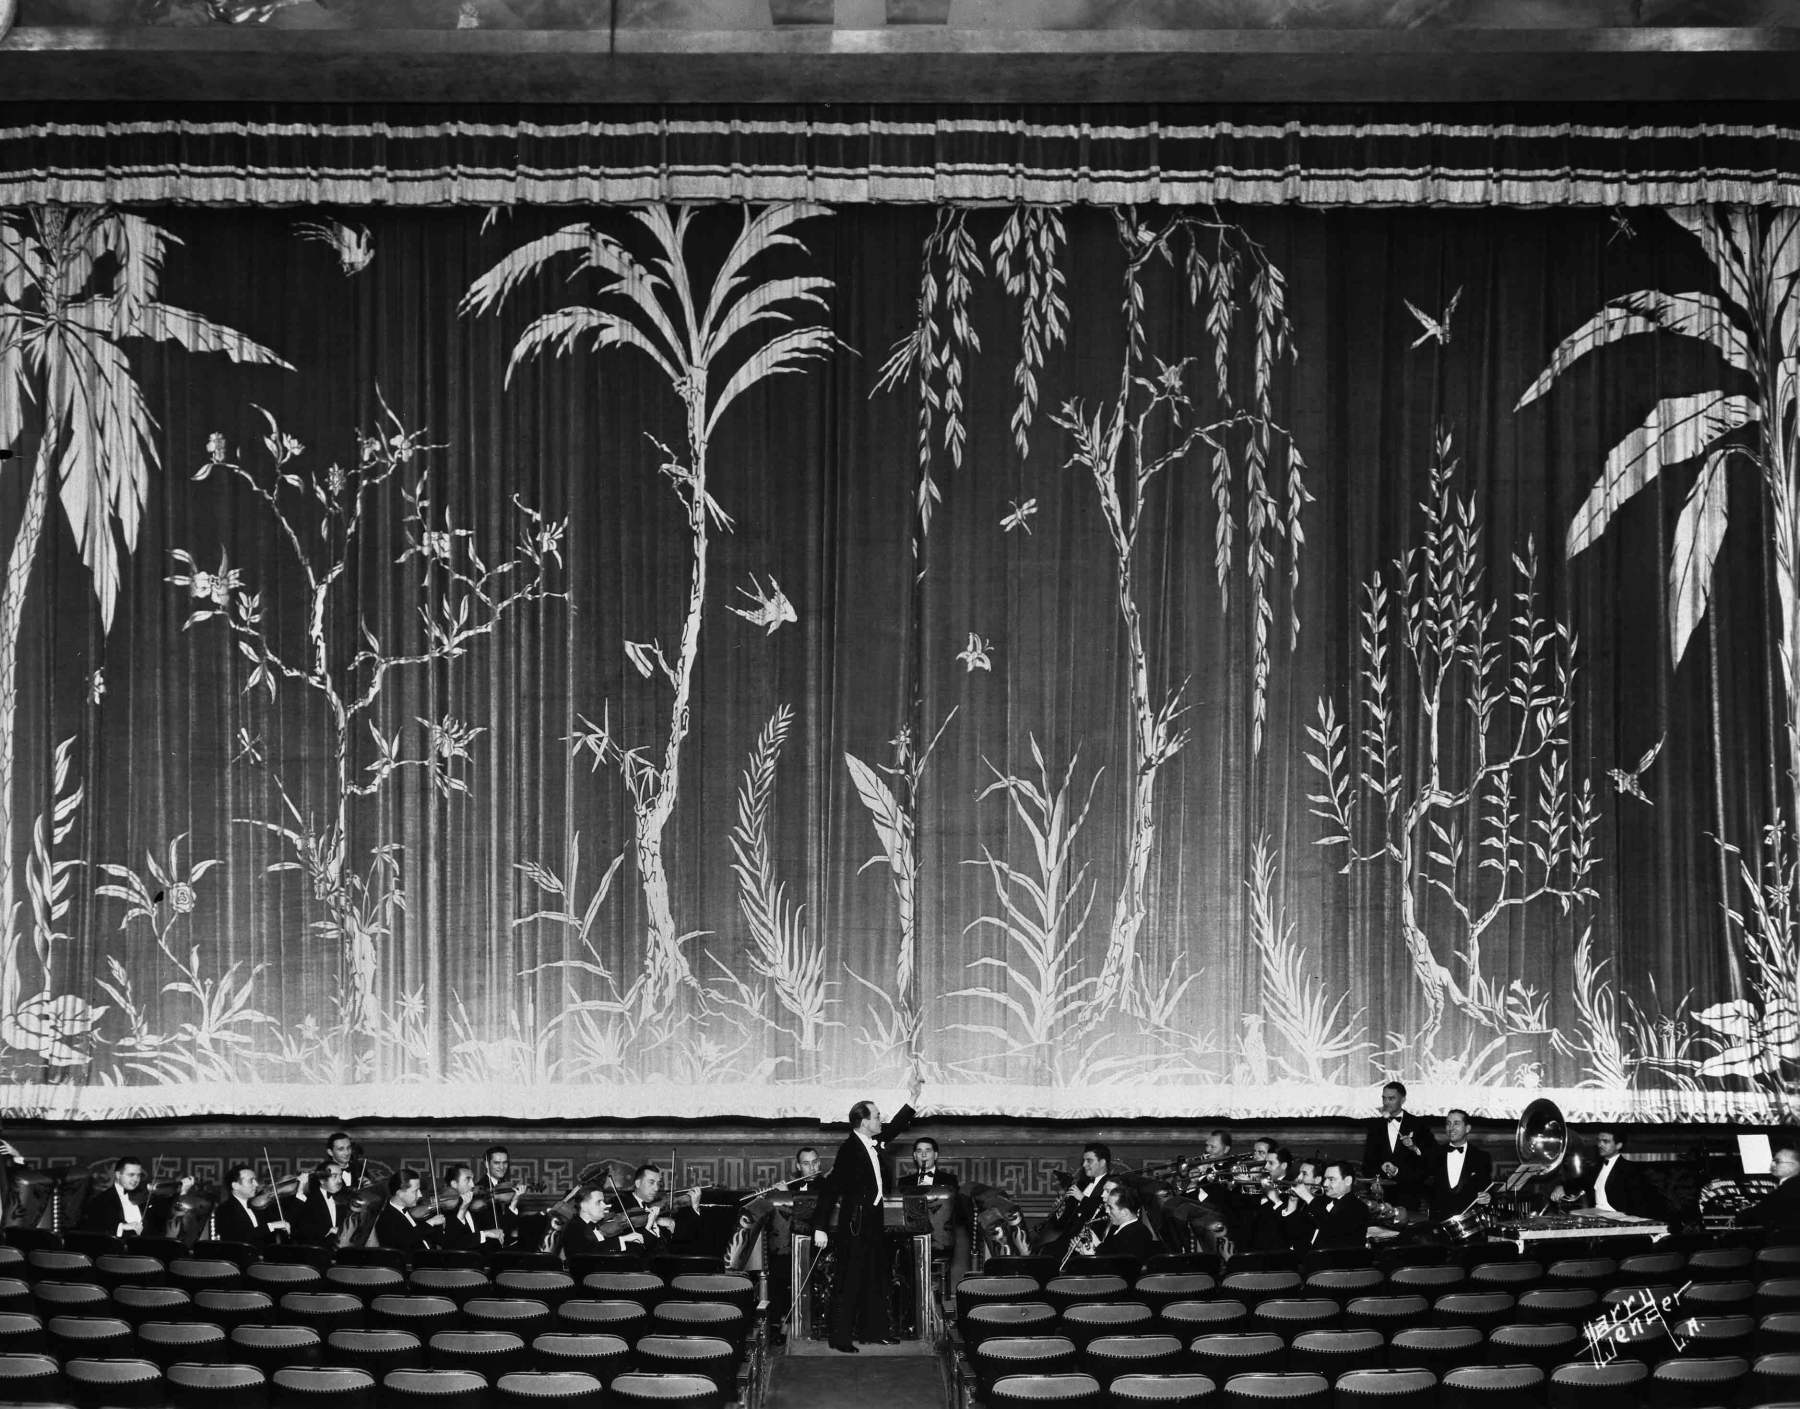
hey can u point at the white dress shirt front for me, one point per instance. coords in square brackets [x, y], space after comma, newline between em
[875, 1160]
[1600, 1199]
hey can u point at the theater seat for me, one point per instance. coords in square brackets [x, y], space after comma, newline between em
[29, 1376]
[723, 1319]
[1387, 1314]
[98, 1336]
[15, 1294]
[21, 1331]
[325, 1312]
[1187, 1319]
[1027, 1318]
[537, 1389]
[602, 1356]
[1222, 1356]
[457, 1283]
[433, 1389]
[324, 1387]
[625, 1319]
[1073, 1391]
[375, 1351]
[167, 1342]
[424, 1316]
[1595, 1273]
[1435, 1348]
[70, 1299]
[690, 1355]
[1386, 1389]
[1252, 1288]
[232, 1309]
[1162, 1392]
[194, 1274]
[634, 1391]
[365, 1282]
[1777, 1332]
[140, 1304]
[1720, 1264]
[524, 1318]
[1482, 1310]
[1001, 1356]
[121, 1383]
[1292, 1390]
[1289, 1316]
[1517, 1277]
[1718, 1335]
[1543, 1346]
[1159, 1289]
[195, 1386]
[60, 1265]
[1086, 1321]
[1334, 1353]
[489, 1353]
[1581, 1384]
[1108, 1357]
[1491, 1387]
[551, 1288]
[119, 1269]
[1773, 1377]
[1064, 1292]
[1430, 1281]
[1694, 1383]
[646, 1288]
[278, 1277]
[271, 1347]
[730, 1287]
[1040, 1269]
[1572, 1304]
[1343, 1284]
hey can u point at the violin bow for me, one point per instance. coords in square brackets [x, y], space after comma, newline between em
[274, 1188]
[431, 1164]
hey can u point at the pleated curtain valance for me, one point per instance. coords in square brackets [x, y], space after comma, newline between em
[1571, 154]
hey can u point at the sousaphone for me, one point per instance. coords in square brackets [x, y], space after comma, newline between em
[1540, 1140]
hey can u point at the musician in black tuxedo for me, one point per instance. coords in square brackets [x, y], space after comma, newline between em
[1397, 1149]
[341, 1150]
[1779, 1209]
[1339, 1219]
[119, 1211]
[655, 1226]
[313, 1208]
[925, 1171]
[582, 1237]
[1460, 1173]
[1616, 1183]
[501, 1216]
[460, 1229]
[1126, 1235]
[854, 1190]
[395, 1226]
[237, 1220]
[806, 1178]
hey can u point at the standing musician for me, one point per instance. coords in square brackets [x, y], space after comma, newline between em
[1126, 1235]
[395, 1226]
[1337, 1217]
[500, 1219]
[582, 1237]
[1460, 1173]
[856, 1186]
[237, 1220]
[313, 1209]
[341, 1150]
[460, 1229]
[1396, 1148]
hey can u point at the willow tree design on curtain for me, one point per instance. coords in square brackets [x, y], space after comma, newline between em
[1149, 425]
[656, 307]
[1753, 323]
[76, 283]
[1477, 825]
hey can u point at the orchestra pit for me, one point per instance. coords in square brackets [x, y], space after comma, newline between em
[900, 704]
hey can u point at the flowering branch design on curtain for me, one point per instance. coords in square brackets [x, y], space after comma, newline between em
[661, 310]
[77, 286]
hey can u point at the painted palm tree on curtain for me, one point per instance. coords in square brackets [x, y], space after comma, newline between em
[1753, 323]
[76, 284]
[659, 307]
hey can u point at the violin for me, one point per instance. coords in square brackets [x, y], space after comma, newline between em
[631, 1220]
[280, 1189]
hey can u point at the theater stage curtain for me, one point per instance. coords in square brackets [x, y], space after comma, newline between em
[1191, 660]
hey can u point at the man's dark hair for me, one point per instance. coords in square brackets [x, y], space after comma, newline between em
[124, 1162]
[236, 1171]
[1399, 1086]
[1128, 1196]
[325, 1166]
[1103, 1153]
[644, 1169]
[1310, 1163]
[1617, 1134]
[1223, 1137]
[401, 1180]
[1458, 1110]
[493, 1150]
[860, 1112]
[1268, 1140]
[454, 1172]
[1283, 1156]
[926, 1140]
[804, 1150]
[1343, 1166]
[337, 1135]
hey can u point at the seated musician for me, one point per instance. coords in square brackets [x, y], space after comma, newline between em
[1080, 1203]
[926, 1174]
[1397, 1148]
[236, 1220]
[652, 1224]
[460, 1229]
[1460, 1172]
[1126, 1235]
[395, 1227]
[1337, 1218]
[1780, 1207]
[582, 1237]
[119, 1211]
[500, 1219]
[1269, 1230]
[313, 1207]
[341, 1150]
[1617, 1185]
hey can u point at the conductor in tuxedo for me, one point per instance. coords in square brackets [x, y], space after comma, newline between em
[1398, 1148]
[854, 1189]
[1460, 1173]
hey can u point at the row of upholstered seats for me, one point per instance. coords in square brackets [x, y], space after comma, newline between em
[139, 1384]
[1334, 1352]
[1675, 1384]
